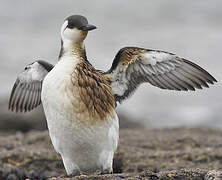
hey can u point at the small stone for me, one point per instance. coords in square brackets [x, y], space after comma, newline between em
[32, 175]
[12, 177]
[48, 174]
[213, 175]
[170, 175]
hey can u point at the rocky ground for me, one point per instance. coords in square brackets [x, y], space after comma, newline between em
[172, 154]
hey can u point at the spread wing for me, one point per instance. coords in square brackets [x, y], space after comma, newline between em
[26, 92]
[133, 66]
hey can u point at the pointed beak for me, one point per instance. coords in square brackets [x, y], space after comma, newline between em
[88, 27]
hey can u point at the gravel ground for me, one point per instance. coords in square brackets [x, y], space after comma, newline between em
[180, 153]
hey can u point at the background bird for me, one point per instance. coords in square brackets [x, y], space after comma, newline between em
[79, 101]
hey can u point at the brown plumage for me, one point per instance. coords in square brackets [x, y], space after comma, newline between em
[94, 90]
[130, 55]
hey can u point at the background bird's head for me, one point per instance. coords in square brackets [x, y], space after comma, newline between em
[75, 29]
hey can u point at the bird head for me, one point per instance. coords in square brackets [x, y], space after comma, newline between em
[75, 29]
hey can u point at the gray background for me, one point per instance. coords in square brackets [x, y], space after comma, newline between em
[30, 30]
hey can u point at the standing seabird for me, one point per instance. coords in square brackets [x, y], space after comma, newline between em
[79, 101]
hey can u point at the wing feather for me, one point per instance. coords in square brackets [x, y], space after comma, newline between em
[29, 98]
[133, 66]
[34, 96]
[172, 82]
[193, 81]
[23, 98]
[26, 91]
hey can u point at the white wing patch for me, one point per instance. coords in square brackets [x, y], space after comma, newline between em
[153, 57]
[119, 83]
[32, 72]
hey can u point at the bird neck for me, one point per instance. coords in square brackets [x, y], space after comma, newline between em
[69, 48]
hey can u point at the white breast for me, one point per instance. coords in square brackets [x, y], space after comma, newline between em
[81, 147]
[54, 98]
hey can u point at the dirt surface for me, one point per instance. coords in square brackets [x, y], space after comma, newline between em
[142, 154]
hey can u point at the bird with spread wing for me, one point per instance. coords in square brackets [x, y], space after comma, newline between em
[131, 67]
[79, 101]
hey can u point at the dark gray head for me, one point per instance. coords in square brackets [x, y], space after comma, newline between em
[79, 22]
[75, 28]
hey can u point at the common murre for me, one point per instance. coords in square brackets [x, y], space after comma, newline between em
[73, 94]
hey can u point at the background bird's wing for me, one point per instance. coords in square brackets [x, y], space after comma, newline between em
[133, 66]
[26, 92]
